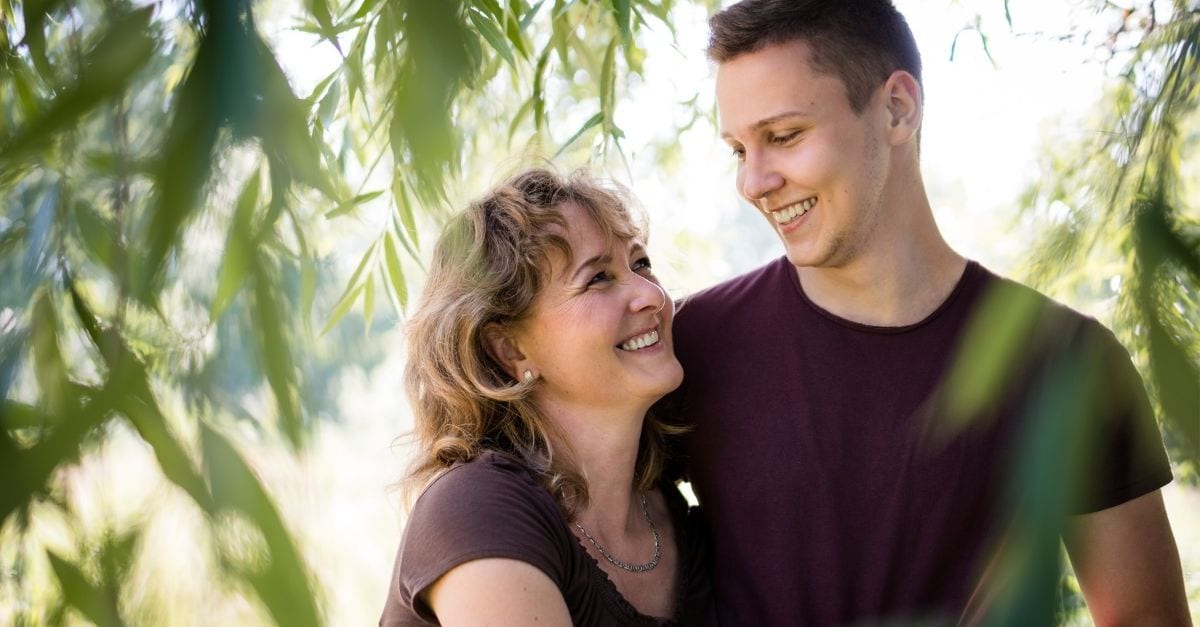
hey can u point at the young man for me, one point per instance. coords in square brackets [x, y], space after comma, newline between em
[837, 487]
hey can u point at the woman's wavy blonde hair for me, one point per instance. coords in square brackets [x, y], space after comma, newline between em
[489, 264]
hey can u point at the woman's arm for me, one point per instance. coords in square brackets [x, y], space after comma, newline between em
[498, 592]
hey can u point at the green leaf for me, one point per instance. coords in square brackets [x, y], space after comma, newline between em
[527, 19]
[98, 235]
[143, 412]
[320, 11]
[369, 303]
[352, 204]
[94, 602]
[238, 248]
[27, 471]
[362, 263]
[513, 26]
[608, 78]
[996, 336]
[621, 10]
[494, 37]
[342, 308]
[592, 122]
[395, 271]
[366, 8]
[185, 166]
[329, 104]
[404, 211]
[15, 415]
[490, 6]
[539, 94]
[322, 88]
[522, 113]
[308, 287]
[284, 586]
[560, 31]
[274, 349]
[442, 58]
[353, 289]
[49, 368]
[1177, 379]
[35, 14]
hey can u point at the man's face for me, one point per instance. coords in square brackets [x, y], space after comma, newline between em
[813, 167]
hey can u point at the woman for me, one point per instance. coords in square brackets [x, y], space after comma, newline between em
[541, 341]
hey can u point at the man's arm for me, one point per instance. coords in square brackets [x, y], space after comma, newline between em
[498, 592]
[1128, 565]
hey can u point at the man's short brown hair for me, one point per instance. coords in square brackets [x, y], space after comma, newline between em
[859, 41]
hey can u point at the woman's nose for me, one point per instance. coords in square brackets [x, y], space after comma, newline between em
[649, 295]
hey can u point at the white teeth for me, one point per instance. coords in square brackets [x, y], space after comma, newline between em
[641, 341]
[791, 212]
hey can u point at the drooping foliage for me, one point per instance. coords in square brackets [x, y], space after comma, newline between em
[166, 191]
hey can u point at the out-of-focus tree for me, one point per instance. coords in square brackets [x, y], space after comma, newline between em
[1119, 219]
[133, 137]
[1123, 206]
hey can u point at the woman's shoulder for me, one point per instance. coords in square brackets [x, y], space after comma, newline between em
[488, 507]
[486, 473]
[490, 493]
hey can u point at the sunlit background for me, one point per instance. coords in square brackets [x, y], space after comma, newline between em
[999, 95]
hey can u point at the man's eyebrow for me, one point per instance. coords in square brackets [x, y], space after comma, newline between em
[759, 125]
[592, 262]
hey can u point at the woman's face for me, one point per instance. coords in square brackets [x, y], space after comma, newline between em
[599, 332]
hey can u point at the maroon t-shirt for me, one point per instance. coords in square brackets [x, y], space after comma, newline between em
[831, 497]
[492, 507]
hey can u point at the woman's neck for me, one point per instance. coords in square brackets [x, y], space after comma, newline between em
[603, 446]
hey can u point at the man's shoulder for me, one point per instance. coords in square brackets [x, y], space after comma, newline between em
[761, 283]
[1046, 330]
[1009, 297]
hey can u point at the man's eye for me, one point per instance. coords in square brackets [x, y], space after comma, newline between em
[783, 139]
[739, 154]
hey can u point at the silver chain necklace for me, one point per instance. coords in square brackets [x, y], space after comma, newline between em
[626, 566]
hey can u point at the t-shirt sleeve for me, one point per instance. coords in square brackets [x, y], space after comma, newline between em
[476, 511]
[1127, 458]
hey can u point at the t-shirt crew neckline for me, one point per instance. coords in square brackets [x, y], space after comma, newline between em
[969, 271]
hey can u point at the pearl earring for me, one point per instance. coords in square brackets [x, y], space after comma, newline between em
[528, 376]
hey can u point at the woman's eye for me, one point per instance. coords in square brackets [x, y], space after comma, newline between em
[641, 264]
[599, 278]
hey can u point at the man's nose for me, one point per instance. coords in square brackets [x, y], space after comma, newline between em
[759, 177]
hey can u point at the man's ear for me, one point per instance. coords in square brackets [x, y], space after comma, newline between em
[905, 107]
[503, 348]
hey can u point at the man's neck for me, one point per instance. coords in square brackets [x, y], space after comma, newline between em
[887, 287]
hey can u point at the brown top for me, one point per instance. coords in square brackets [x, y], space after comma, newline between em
[491, 507]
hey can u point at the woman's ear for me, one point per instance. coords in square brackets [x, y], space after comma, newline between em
[905, 107]
[503, 348]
